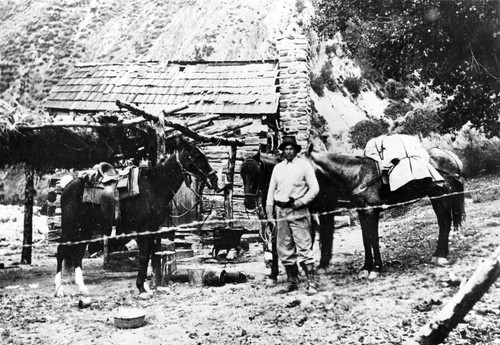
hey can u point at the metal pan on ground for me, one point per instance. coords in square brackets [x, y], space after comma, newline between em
[129, 318]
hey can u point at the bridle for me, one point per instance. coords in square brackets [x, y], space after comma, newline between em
[262, 167]
[264, 232]
[199, 172]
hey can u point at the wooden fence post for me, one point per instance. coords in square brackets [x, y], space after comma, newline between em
[228, 191]
[29, 194]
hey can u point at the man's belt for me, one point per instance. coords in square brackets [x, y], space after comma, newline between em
[287, 204]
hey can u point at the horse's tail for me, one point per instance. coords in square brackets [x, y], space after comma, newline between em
[457, 202]
[70, 203]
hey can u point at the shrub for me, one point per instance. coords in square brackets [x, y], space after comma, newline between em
[317, 84]
[395, 90]
[397, 109]
[365, 130]
[324, 79]
[329, 49]
[421, 122]
[479, 154]
[299, 4]
[327, 76]
[353, 85]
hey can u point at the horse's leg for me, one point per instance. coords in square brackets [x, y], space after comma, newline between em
[58, 279]
[79, 251]
[442, 208]
[145, 244]
[273, 276]
[107, 210]
[156, 261]
[369, 228]
[275, 265]
[326, 232]
[87, 224]
[375, 247]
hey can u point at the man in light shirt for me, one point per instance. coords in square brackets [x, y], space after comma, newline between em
[292, 187]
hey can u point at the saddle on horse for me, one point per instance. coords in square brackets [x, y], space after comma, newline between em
[401, 159]
[123, 182]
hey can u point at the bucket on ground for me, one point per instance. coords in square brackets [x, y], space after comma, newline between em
[168, 266]
[196, 276]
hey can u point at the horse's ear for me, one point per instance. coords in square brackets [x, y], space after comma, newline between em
[310, 148]
[188, 180]
[257, 155]
[183, 144]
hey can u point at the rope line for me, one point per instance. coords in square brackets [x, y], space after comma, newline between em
[196, 224]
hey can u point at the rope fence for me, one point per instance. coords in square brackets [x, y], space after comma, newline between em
[262, 221]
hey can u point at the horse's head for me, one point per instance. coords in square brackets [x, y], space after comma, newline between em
[194, 161]
[251, 174]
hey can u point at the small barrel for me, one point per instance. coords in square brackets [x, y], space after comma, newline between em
[180, 278]
[214, 278]
[235, 277]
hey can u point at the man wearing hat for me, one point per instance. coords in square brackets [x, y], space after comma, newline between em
[292, 187]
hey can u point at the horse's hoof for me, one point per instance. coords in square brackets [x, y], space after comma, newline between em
[145, 295]
[322, 270]
[311, 290]
[373, 275]
[231, 255]
[439, 261]
[364, 274]
[271, 282]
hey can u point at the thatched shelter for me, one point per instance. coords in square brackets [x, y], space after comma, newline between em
[34, 139]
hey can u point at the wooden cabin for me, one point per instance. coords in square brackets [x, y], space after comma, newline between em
[232, 90]
[273, 94]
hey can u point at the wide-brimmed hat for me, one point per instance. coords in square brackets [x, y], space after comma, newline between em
[289, 140]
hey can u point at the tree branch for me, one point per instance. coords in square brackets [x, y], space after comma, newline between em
[183, 129]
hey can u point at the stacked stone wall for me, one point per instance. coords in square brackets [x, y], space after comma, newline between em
[295, 98]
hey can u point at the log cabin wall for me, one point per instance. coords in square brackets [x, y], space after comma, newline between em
[255, 137]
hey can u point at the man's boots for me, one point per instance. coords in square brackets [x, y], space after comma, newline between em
[292, 282]
[311, 286]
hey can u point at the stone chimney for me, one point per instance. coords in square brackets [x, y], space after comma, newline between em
[295, 98]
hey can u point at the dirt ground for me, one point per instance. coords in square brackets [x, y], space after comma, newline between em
[347, 310]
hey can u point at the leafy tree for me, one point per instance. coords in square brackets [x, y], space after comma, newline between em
[453, 44]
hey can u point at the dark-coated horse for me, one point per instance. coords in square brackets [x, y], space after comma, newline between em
[256, 173]
[359, 180]
[142, 214]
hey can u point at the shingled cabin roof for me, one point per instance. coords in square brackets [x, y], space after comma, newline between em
[207, 87]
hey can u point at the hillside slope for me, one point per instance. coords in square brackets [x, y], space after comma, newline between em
[41, 39]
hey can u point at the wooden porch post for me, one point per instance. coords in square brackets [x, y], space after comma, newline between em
[228, 191]
[29, 194]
